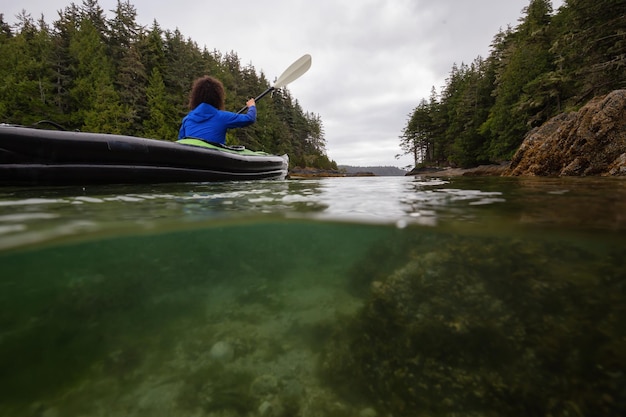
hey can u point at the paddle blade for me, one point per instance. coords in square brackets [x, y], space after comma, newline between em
[294, 71]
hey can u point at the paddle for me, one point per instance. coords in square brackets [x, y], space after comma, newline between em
[292, 73]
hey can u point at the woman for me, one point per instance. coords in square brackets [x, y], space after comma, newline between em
[207, 119]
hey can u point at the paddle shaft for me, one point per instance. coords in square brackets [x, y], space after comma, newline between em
[257, 98]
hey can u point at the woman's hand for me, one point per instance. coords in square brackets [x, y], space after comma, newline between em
[250, 103]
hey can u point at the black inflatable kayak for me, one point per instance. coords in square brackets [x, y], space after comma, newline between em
[30, 156]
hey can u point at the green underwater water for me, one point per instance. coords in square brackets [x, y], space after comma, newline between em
[481, 299]
[88, 327]
[67, 308]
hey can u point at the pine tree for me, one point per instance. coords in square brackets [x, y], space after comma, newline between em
[152, 49]
[160, 123]
[64, 63]
[130, 76]
[525, 59]
[592, 45]
[28, 93]
[91, 10]
[95, 100]
[469, 113]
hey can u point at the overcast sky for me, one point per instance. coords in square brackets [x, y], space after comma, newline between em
[373, 60]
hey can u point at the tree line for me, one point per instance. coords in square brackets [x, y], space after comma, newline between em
[548, 64]
[89, 72]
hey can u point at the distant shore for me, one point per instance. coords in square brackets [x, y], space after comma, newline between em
[483, 170]
[316, 172]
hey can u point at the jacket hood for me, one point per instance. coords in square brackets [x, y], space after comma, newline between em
[202, 113]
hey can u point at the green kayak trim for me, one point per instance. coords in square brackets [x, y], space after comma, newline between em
[219, 147]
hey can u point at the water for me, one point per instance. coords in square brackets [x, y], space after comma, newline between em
[323, 297]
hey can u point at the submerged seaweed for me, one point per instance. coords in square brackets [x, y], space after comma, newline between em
[214, 387]
[485, 326]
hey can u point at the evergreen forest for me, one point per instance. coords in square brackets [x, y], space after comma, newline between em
[86, 71]
[550, 63]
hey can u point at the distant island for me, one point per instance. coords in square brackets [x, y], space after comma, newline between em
[388, 171]
[347, 171]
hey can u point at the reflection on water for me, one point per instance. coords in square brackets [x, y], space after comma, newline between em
[34, 216]
[335, 297]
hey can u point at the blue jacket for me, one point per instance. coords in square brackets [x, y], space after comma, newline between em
[210, 124]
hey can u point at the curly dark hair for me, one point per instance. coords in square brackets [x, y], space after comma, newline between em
[208, 90]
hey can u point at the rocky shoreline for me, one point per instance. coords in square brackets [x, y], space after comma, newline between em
[588, 142]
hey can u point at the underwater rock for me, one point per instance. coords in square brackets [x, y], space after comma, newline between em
[265, 408]
[486, 326]
[39, 409]
[222, 351]
[293, 390]
[320, 403]
[368, 412]
[216, 387]
[271, 409]
[159, 400]
[264, 385]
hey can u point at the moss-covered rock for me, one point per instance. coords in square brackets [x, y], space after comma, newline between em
[489, 327]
